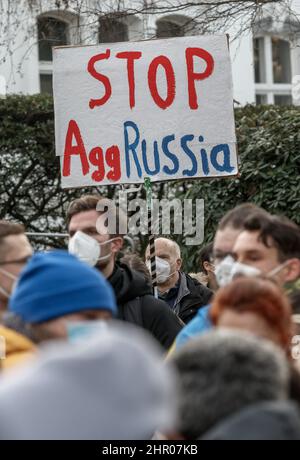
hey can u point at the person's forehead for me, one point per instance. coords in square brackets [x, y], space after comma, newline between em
[15, 247]
[225, 239]
[250, 241]
[84, 219]
[164, 246]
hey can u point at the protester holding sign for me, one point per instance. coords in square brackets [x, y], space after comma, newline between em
[90, 241]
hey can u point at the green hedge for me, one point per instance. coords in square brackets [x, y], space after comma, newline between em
[269, 156]
[30, 192]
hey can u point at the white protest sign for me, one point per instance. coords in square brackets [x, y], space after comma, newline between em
[161, 109]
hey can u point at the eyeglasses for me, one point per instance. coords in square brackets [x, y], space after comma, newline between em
[24, 260]
[220, 256]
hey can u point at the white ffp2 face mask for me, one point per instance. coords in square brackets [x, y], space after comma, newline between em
[87, 249]
[163, 270]
[228, 269]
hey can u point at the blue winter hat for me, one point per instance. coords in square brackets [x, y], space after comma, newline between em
[55, 284]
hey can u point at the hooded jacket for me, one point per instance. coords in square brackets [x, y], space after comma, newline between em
[272, 421]
[137, 305]
[16, 347]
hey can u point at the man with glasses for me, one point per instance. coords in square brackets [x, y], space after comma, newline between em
[15, 250]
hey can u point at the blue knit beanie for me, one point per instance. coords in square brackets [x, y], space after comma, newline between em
[55, 284]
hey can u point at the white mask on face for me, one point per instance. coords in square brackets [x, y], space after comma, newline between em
[228, 269]
[87, 249]
[223, 271]
[245, 270]
[163, 270]
[4, 292]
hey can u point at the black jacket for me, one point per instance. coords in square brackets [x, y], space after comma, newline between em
[137, 305]
[271, 421]
[192, 296]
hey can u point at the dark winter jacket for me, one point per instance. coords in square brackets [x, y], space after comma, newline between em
[192, 296]
[138, 306]
[268, 421]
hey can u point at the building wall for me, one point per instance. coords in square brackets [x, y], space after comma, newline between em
[241, 52]
[141, 27]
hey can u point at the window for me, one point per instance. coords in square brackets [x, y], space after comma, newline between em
[261, 99]
[281, 99]
[281, 55]
[272, 70]
[51, 32]
[46, 83]
[259, 60]
[168, 29]
[112, 30]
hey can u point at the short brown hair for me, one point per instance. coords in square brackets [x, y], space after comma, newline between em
[237, 216]
[8, 229]
[205, 255]
[89, 203]
[82, 204]
[284, 234]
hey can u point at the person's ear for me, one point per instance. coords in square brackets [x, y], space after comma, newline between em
[207, 266]
[178, 264]
[292, 270]
[117, 244]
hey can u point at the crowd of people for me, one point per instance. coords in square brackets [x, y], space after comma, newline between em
[92, 353]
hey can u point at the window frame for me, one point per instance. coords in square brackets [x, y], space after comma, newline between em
[174, 23]
[269, 88]
[117, 20]
[46, 67]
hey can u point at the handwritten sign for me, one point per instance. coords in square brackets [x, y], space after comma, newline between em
[162, 109]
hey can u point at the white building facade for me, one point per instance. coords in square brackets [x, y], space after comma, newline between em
[265, 60]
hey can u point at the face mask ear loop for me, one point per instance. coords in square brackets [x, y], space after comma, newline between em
[104, 257]
[4, 292]
[172, 274]
[277, 270]
[9, 275]
[102, 244]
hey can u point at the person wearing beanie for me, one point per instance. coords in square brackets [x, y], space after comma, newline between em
[56, 290]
